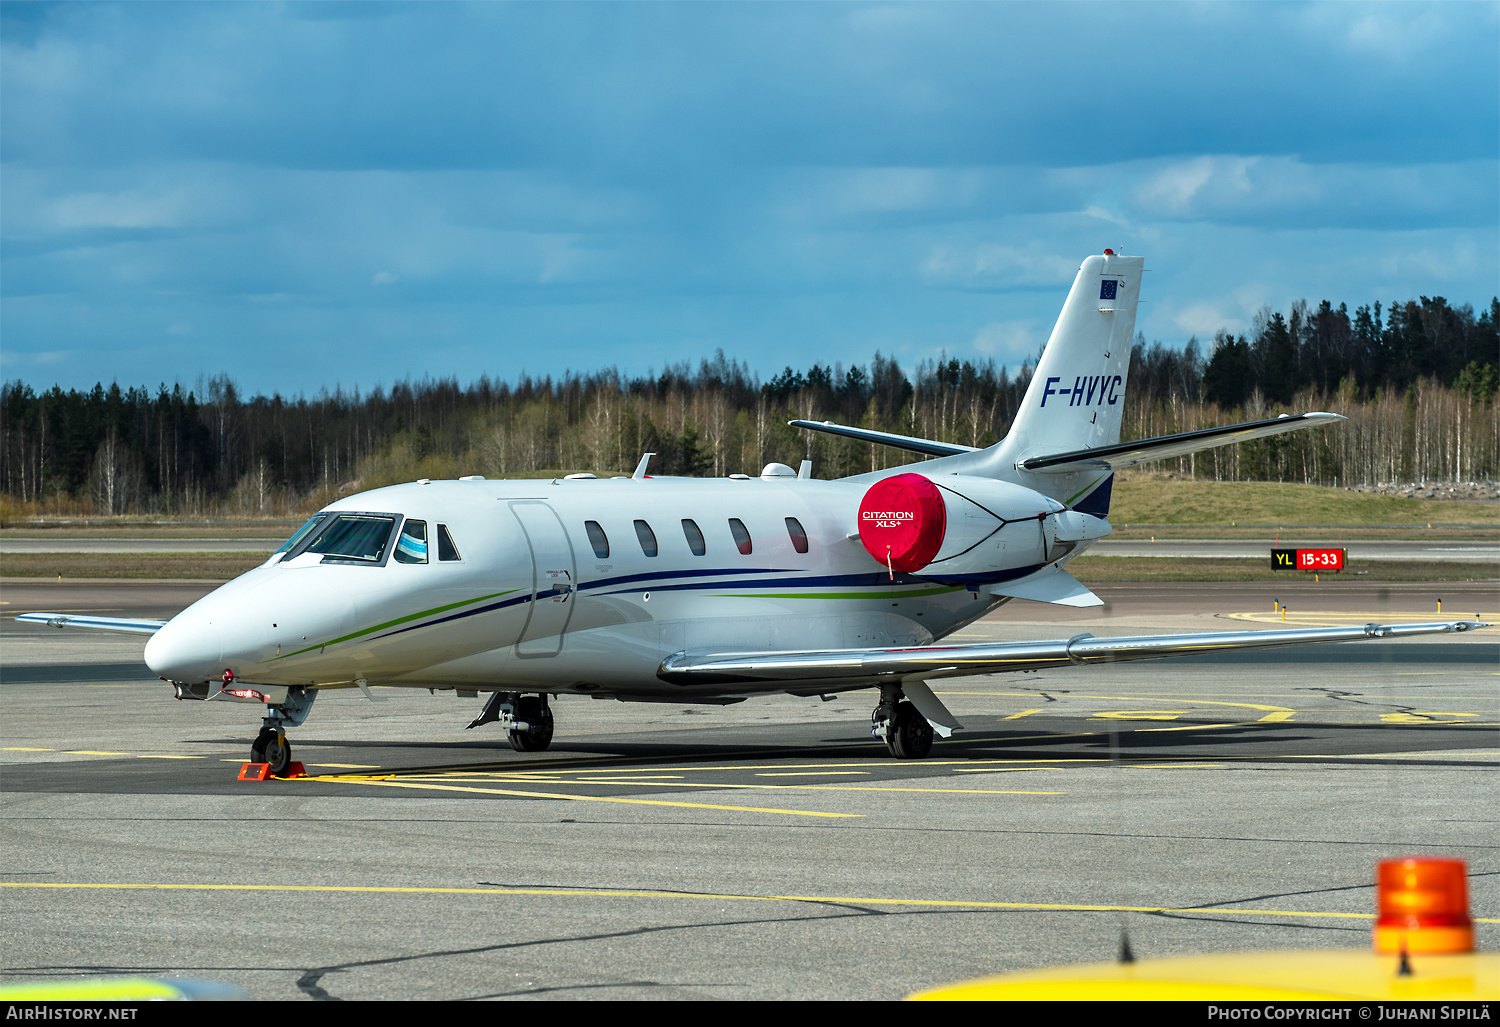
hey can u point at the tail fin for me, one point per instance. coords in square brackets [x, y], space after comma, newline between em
[1077, 396]
[1075, 400]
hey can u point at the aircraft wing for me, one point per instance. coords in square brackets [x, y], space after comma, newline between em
[1128, 454]
[74, 620]
[844, 667]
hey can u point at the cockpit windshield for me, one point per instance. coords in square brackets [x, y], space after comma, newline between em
[352, 538]
[302, 532]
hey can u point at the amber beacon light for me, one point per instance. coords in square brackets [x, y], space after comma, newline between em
[1423, 906]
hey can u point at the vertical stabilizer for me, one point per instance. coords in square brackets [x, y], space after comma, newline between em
[1077, 396]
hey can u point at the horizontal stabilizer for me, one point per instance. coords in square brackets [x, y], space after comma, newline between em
[885, 438]
[1048, 586]
[1141, 451]
[73, 620]
[849, 667]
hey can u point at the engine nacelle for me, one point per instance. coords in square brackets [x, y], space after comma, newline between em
[964, 529]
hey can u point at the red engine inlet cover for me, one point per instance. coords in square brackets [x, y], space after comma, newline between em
[902, 520]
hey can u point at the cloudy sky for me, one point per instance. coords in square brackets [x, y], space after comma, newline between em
[308, 194]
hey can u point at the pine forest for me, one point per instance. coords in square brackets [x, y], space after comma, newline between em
[1417, 380]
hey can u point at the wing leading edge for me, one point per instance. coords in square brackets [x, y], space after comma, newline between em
[847, 666]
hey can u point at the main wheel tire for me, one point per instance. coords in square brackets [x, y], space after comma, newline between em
[909, 736]
[532, 709]
[272, 747]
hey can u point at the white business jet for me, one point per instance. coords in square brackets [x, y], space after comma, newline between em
[687, 590]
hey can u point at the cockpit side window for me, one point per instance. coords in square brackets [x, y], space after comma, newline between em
[597, 539]
[353, 538]
[411, 545]
[447, 551]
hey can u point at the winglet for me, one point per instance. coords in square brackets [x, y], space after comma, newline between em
[640, 468]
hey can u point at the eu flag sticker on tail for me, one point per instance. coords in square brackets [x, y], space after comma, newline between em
[1107, 289]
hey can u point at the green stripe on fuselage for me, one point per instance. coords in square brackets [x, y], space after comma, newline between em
[393, 623]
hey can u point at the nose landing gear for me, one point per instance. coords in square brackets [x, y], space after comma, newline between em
[271, 745]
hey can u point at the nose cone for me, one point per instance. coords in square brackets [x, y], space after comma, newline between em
[187, 649]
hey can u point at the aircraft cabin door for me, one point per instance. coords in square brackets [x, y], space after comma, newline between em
[553, 576]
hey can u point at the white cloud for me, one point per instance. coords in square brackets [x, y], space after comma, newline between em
[1095, 211]
[117, 210]
[1205, 319]
[989, 264]
[1008, 338]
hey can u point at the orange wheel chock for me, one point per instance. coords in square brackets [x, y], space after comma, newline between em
[255, 772]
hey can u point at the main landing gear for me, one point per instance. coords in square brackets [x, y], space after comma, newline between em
[271, 745]
[896, 721]
[527, 719]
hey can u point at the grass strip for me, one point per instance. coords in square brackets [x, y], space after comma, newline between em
[212, 566]
[1224, 503]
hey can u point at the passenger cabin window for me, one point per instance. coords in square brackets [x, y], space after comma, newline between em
[694, 537]
[411, 545]
[647, 536]
[597, 539]
[741, 536]
[447, 551]
[799, 537]
[351, 538]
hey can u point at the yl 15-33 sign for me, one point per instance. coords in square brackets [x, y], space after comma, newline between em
[1307, 559]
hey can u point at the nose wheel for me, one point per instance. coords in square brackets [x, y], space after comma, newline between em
[271, 746]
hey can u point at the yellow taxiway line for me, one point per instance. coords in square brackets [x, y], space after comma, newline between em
[426, 782]
[575, 798]
[623, 893]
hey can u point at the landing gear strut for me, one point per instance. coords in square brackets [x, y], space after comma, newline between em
[527, 719]
[896, 721]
